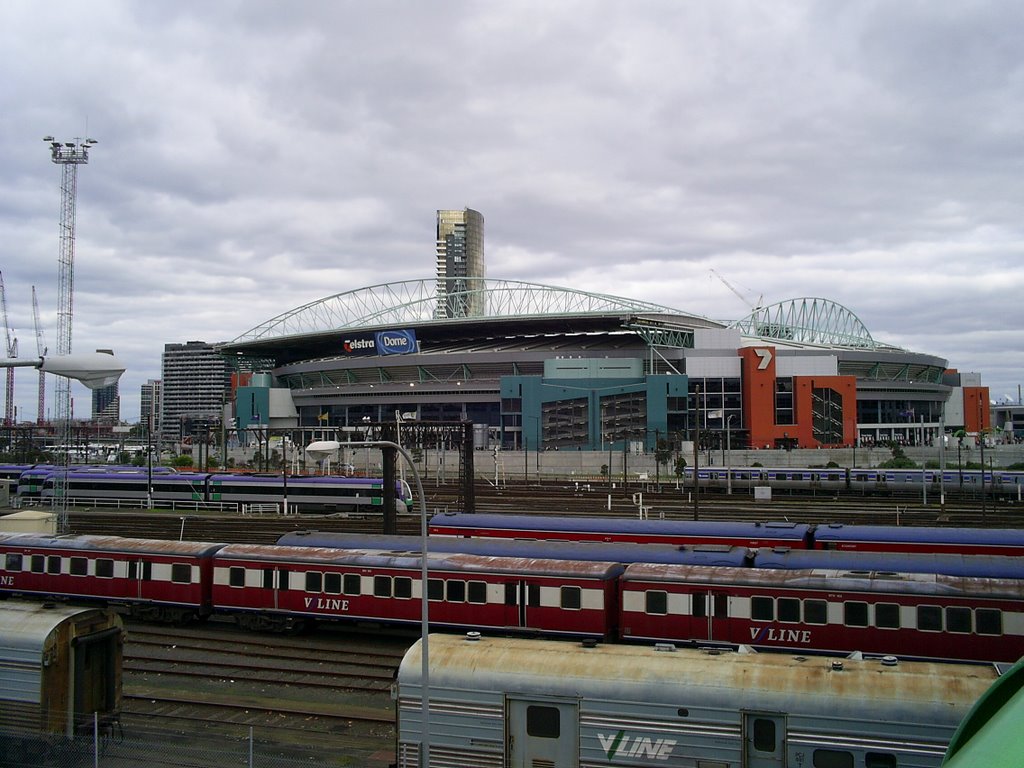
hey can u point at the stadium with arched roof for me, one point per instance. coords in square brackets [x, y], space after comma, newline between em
[543, 365]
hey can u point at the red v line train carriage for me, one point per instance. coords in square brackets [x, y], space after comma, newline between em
[922, 615]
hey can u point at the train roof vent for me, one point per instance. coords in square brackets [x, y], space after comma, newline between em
[589, 642]
[778, 524]
[473, 636]
[837, 666]
[890, 661]
[857, 574]
[664, 647]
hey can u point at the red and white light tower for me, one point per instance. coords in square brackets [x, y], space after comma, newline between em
[12, 352]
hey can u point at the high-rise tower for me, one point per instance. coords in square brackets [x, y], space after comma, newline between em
[106, 401]
[195, 382]
[460, 263]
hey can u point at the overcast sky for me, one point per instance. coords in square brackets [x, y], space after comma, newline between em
[255, 156]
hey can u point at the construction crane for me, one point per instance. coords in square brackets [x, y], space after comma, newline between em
[41, 349]
[740, 296]
[12, 352]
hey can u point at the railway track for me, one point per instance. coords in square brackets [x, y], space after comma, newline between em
[307, 695]
[562, 499]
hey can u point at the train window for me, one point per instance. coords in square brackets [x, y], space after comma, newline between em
[533, 596]
[105, 568]
[831, 758]
[929, 618]
[13, 561]
[181, 573]
[988, 621]
[887, 616]
[78, 566]
[855, 614]
[699, 609]
[435, 589]
[477, 592]
[572, 598]
[879, 760]
[332, 583]
[511, 593]
[352, 584]
[268, 578]
[38, 564]
[403, 587]
[236, 576]
[53, 564]
[543, 722]
[721, 606]
[656, 602]
[455, 591]
[314, 581]
[764, 735]
[382, 586]
[958, 620]
[789, 610]
[283, 578]
[815, 612]
[762, 609]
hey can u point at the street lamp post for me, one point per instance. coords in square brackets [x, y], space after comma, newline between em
[424, 590]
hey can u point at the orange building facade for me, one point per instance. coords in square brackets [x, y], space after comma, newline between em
[815, 411]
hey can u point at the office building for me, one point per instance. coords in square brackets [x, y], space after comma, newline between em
[460, 264]
[195, 382]
[106, 401]
[149, 405]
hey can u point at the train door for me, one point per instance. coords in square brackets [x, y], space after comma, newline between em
[139, 572]
[520, 596]
[276, 579]
[97, 676]
[764, 740]
[710, 610]
[542, 733]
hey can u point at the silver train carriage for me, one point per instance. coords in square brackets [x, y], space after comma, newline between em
[514, 703]
[60, 667]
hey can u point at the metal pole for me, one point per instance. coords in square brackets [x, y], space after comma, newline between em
[424, 598]
[942, 460]
[149, 459]
[696, 455]
[728, 455]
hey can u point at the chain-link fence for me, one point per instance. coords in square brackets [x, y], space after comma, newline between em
[113, 747]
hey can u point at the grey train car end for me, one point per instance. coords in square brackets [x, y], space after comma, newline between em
[60, 667]
[514, 703]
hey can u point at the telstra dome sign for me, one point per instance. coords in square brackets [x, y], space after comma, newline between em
[400, 342]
